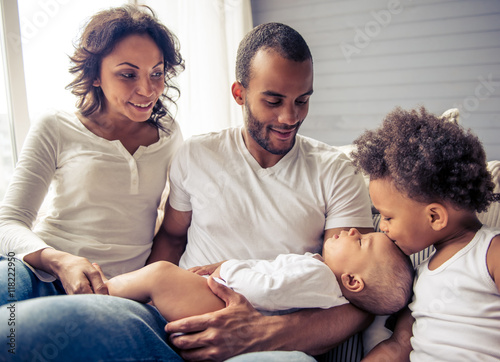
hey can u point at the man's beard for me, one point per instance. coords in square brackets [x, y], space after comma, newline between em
[259, 132]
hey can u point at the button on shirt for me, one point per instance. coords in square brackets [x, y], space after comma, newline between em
[102, 203]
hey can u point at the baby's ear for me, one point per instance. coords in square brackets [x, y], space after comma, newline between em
[352, 282]
[437, 214]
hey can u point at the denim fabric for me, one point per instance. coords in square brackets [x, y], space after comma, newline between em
[95, 328]
[17, 282]
[84, 327]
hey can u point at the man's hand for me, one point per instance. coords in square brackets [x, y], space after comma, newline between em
[239, 328]
[219, 335]
[205, 269]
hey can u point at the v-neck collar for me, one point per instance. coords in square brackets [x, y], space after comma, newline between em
[256, 167]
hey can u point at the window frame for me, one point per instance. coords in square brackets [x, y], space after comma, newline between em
[17, 103]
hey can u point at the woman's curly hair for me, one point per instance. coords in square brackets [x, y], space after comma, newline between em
[428, 159]
[103, 31]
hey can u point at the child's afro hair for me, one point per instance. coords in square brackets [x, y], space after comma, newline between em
[427, 158]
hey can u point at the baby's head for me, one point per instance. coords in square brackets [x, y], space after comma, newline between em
[419, 165]
[373, 273]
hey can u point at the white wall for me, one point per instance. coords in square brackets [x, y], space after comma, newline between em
[372, 55]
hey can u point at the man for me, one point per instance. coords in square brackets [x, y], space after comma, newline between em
[258, 191]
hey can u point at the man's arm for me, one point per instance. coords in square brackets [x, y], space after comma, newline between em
[398, 346]
[171, 239]
[239, 328]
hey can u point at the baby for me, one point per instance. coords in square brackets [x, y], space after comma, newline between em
[428, 178]
[368, 270]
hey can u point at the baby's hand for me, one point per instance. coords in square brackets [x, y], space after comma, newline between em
[205, 269]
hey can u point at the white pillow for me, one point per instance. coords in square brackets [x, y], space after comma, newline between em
[491, 217]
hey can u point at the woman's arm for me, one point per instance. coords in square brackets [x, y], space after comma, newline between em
[76, 274]
[27, 190]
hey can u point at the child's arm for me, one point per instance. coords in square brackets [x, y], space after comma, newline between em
[397, 347]
[493, 260]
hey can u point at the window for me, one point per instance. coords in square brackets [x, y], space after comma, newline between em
[48, 30]
[6, 154]
[12, 93]
[36, 37]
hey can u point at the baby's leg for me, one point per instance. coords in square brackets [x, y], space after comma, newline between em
[177, 293]
[136, 285]
[181, 293]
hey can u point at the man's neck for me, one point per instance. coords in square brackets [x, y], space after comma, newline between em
[263, 157]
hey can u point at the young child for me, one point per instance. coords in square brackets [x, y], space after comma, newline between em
[428, 178]
[368, 270]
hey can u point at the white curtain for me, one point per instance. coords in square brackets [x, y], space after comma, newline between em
[209, 32]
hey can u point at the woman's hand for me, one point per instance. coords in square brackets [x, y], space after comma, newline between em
[101, 273]
[205, 269]
[77, 274]
[216, 336]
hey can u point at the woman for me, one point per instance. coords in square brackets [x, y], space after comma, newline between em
[107, 167]
[106, 164]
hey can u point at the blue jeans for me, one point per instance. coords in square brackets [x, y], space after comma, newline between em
[17, 282]
[86, 327]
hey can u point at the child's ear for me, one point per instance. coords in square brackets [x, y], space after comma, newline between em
[238, 91]
[437, 215]
[352, 282]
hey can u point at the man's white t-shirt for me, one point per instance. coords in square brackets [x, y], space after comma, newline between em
[241, 210]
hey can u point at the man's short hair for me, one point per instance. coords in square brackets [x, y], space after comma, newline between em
[278, 37]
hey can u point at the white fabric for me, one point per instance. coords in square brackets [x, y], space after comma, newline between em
[375, 333]
[491, 217]
[103, 204]
[243, 211]
[457, 307]
[290, 281]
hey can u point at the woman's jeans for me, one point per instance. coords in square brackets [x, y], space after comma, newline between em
[85, 327]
